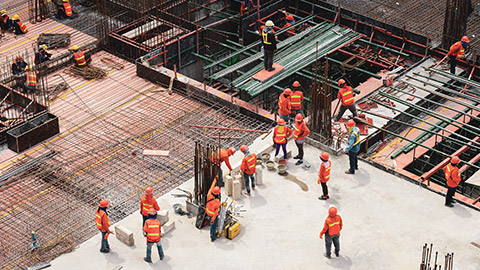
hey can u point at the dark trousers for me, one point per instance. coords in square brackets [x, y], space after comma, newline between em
[267, 59]
[325, 189]
[453, 63]
[284, 148]
[328, 243]
[343, 109]
[300, 149]
[213, 229]
[450, 194]
[353, 157]
[144, 219]
[105, 244]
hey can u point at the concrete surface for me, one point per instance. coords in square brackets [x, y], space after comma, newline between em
[387, 220]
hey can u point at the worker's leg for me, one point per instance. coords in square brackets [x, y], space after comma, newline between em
[103, 246]
[449, 197]
[328, 244]
[246, 176]
[284, 117]
[213, 230]
[270, 60]
[453, 64]
[356, 160]
[148, 258]
[340, 113]
[336, 243]
[160, 250]
[351, 158]
[252, 178]
[353, 110]
[265, 60]
[277, 149]
[284, 148]
[325, 189]
[220, 184]
[144, 219]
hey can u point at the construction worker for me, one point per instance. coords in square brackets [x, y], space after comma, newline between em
[152, 229]
[103, 224]
[42, 55]
[296, 98]
[280, 135]
[64, 10]
[246, 6]
[81, 60]
[452, 174]
[30, 79]
[289, 21]
[212, 207]
[353, 146]
[19, 28]
[345, 96]
[147, 202]
[269, 45]
[248, 167]
[332, 227]
[324, 174]
[5, 22]
[224, 157]
[18, 66]
[456, 52]
[300, 132]
[285, 105]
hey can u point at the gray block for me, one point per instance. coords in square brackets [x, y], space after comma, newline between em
[123, 235]
[162, 216]
[259, 175]
[240, 179]
[237, 190]
[228, 185]
[170, 225]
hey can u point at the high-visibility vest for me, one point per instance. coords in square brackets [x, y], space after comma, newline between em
[265, 38]
[212, 206]
[280, 134]
[326, 171]
[449, 171]
[99, 218]
[146, 203]
[347, 96]
[251, 163]
[357, 135]
[333, 225]
[284, 107]
[68, 9]
[23, 27]
[296, 100]
[223, 155]
[31, 78]
[153, 230]
[461, 51]
[79, 58]
[300, 129]
[5, 19]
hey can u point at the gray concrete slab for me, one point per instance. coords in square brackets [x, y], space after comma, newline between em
[386, 219]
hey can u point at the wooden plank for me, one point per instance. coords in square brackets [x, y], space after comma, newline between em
[151, 152]
[264, 75]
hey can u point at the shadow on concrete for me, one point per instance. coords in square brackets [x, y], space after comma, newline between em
[113, 257]
[257, 200]
[461, 211]
[342, 262]
[157, 264]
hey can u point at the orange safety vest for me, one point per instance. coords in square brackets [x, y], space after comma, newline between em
[324, 174]
[333, 225]
[99, 217]
[5, 19]
[152, 228]
[452, 174]
[346, 96]
[31, 78]
[68, 9]
[457, 44]
[147, 203]
[79, 58]
[296, 100]
[250, 163]
[212, 207]
[300, 129]
[23, 27]
[280, 134]
[284, 107]
[223, 155]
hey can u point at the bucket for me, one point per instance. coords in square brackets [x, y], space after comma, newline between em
[282, 169]
[265, 157]
[271, 165]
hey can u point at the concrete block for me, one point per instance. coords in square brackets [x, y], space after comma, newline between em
[123, 235]
[228, 185]
[170, 225]
[237, 190]
[259, 175]
[240, 179]
[162, 216]
[192, 208]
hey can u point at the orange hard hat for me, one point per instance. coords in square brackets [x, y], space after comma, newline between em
[299, 117]
[104, 203]
[216, 190]
[232, 150]
[289, 17]
[455, 160]
[332, 211]
[243, 148]
[152, 211]
[296, 84]
[340, 82]
[149, 191]
[324, 156]
[281, 122]
[287, 91]
[350, 123]
[465, 39]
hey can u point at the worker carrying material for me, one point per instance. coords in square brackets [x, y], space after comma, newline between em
[324, 175]
[284, 105]
[452, 174]
[248, 167]
[146, 203]
[269, 45]
[30, 84]
[246, 6]
[300, 132]
[224, 155]
[152, 229]
[81, 60]
[296, 98]
[331, 229]
[353, 146]
[5, 21]
[64, 10]
[19, 28]
[18, 66]
[456, 52]
[345, 96]
[212, 208]
[280, 136]
[42, 56]
[103, 224]
[289, 21]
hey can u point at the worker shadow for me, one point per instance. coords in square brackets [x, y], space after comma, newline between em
[113, 257]
[361, 177]
[163, 264]
[461, 211]
[342, 262]
[257, 200]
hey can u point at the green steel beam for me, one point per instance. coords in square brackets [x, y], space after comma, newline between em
[454, 77]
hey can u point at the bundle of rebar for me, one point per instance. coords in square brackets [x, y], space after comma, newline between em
[206, 168]
[88, 72]
[54, 40]
[427, 257]
[455, 23]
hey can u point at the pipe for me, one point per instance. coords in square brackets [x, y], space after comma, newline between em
[454, 77]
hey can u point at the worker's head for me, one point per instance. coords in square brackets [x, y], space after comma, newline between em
[151, 213]
[299, 117]
[465, 39]
[75, 48]
[350, 124]
[341, 82]
[3, 12]
[324, 156]
[16, 17]
[287, 92]
[216, 191]
[332, 211]
[231, 151]
[43, 47]
[104, 204]
[18, 58]
[243, 148]
[269, 24]
[295, 85]
[289, 17]
[149, 192]
[455, 160]
[281, 122]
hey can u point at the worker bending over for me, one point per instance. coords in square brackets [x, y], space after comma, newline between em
[152, 229]
[269, 45]
[18, 66]
[345, 96]
[224, 155]
[248, 167]
[452, 174]
[280, 136]
[246, 6]
[353, 146]
[81, 60]
[64, 10]
[296, 98]
[324, 175]
[331, 228]
[300, 132]
[284, 105]
[42, 56]
[5, 21]
[19, 28]
[30, 84]
[147, 202]
[103, 224]
[456, 52]
[212, 208]
[289, 21]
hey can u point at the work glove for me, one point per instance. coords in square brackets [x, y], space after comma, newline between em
[321, 236]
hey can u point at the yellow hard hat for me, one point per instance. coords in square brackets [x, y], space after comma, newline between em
[3, 12]
[44, 47]
[16, 17]
[65, 0]
[75, 47]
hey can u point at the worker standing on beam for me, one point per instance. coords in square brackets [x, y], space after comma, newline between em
[296, 98]
[212, 208]
[103, 224]
[246, 6]
[300, 132]
[285, 105]
[147, 202]
[331, 228]
[248, 167]
[280, 136]
[5, 22]
[269, 45]
[456, 52]
[324, 175]
[152, 230]
[42, 55]
[224, 157]
[19, 28]
[452, 174]
[345, 96]
[81, 60]
[353, 146]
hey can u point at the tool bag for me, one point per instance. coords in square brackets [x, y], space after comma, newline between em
[232, 230]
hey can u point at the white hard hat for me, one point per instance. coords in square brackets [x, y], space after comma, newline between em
[269, 23]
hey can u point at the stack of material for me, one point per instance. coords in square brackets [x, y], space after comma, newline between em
[54, 40]
[88, 72]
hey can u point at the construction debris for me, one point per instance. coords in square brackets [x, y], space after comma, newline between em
[88, 72]
[54, 41]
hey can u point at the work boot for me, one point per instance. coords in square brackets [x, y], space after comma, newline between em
[349, 172]
[104, 250]
[161, 258]
[299, 162]
[271, 69]
[246, 193]
[147, 260]
[449, 205]
[323, 198]
[253, 187]
[296, 157]
[337, 254]
[327, 255]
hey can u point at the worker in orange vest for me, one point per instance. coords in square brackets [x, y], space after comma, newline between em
[296, 98]
[19, 28]
[147, 202]
[248, 167]
[324, 175]
[456, 52]
[5, 21]
[246, 6]
[212, 207]
[280, 136]
[103, 224]
[81, 60]
[353, 146]
[332, 227]
[30, 84]
[289, 21]
[284, 105]
[64, 10]
[152, 229]
[224, 157]
[452, 174]
[345, 96]
[300, 132]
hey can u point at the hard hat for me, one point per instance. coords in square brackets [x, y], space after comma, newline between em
[18, 57]
[149, 190]
[455, 160]
[340, 82]
[296, 84]
[232, 150]
[65, 0]
[16, 17]
[269, 23]
[350, 123]
[44, 47]
[289, 17]
[287, 91]
[216, 190]
[324, 156]
[281, 122]
[75, 47]
[332, 211]
[152, 211]
[243, 148]
[104, 203]
[465, 39]
[3, 12]
[299, 117]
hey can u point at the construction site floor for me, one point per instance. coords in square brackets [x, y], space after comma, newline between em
[387, 220]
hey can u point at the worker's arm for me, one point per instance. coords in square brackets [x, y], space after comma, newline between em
[145, 227]
[456, 176]
[211, 187]
[105, 222]
[243, 166]
[227, 162]
[325, 229]
[320, 174]
[351, 141]
[341, 222]
[274, 134]
[289, 132]
[141, 206]
[306, 131]
[155, 205]
[339, 95]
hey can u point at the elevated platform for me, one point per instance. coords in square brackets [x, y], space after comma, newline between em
[264, 75]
